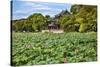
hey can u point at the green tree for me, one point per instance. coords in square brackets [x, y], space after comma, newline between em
[38, 21]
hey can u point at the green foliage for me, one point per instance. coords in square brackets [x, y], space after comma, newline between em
[75, 9]
[68, 23]
[81, 18]
[51, 48]
[18, 25]
[35, 22]
[38, 21]
[84, 15]
[87, 18]
[63, 20]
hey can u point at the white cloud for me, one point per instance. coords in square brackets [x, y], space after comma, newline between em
[18, 17]
[29, 8]
[21, 11]
[42, 8]
[36, 6]
[29, 3]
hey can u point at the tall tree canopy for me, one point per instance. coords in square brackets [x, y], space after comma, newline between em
[83, 18]
[35, 22]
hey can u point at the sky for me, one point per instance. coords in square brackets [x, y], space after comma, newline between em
[23, 9]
